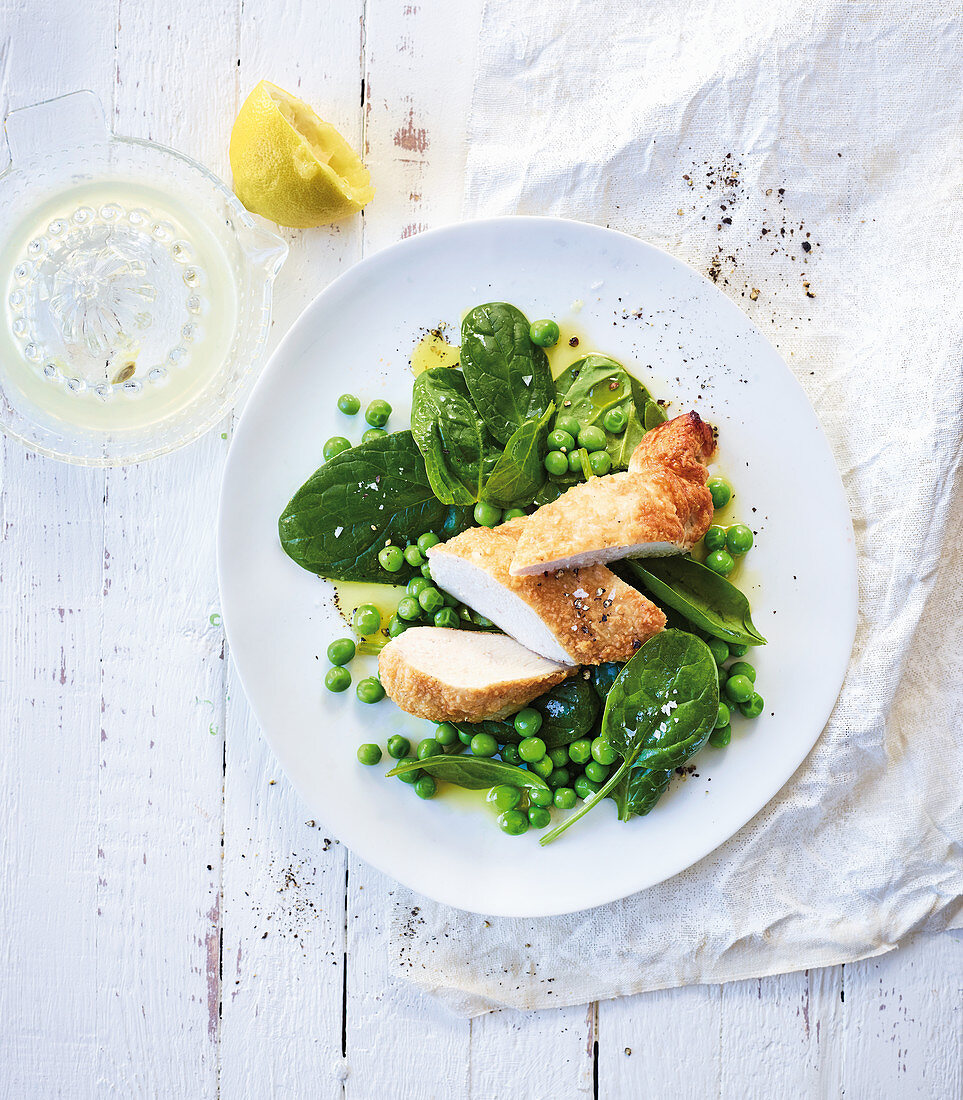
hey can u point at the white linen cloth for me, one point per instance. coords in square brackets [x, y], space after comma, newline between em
[842, 121]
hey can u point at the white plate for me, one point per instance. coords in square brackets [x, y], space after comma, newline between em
[691, 345]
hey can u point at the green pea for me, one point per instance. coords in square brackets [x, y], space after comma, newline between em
[416, 586]
[513, 822]
[614, 421]
[513, 513]
[556, 462]
[541, 796]
[391, 559]
[565, 798]
[426, 571]
[483, 744]
[568, 424]
[367, 620]
[487, 515]
[600, 462]
[511, 755]
[369, 754]
[585, 788]
[603, 752]
[558, 777]
[739, 668]
[597, 772]
[720, 737]
[753, 708]
[426, 787]
[446, 733]
[539, 817]
[543, 333]
[334, 446]
[504, 797]
[592, 438]
[531, 749]
[428, 746]
[542, 767]
[349, 404]
[409, 608]
[527, 722]
[369, 690]
[720, 490]
[739, 539]
[722, 718]
[718, 649]
[575, 462]
[377, 413]
[447, 619]
[412, 777]
[737, 649]
[372, 434]
[414, 557]
[337, 679]
[341, 651]
[560, 441]
[431, 600]
[720, 561]
[398, 746]
[559, 756]
[427, 540]
[580, 752]
[715, 538]
[739, 689]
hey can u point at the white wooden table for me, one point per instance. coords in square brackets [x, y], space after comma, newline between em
[172, 922]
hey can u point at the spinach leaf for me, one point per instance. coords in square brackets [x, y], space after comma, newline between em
[603, 677]
[475, 773]
[660, 711]
[553, 489]
[346, 511]
[503, 732]
[508, 376]
[707, 600]
[639, 791]
[519, 472]
[450, 434]
[593, 386]
[653, 415]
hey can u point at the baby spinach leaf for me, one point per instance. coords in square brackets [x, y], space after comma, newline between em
[450, 434]
[553, 489]
[519, 471]
[660, 710]
[347, 510]
[503, 732]
[639, 791]
[654, 415]
[569, 711]
[593, 386]
[603, 677]
[475, 773]
[508, 376]
[707, 600]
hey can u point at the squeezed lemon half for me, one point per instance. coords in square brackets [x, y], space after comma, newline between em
[291, 166]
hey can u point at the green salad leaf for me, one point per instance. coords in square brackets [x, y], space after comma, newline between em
[660, 710]
[705, 599]
[347, 510]
[639, 791]
[475, 773]
[519, 472]
[569, 711]
[595, 385]
[450, 434]
[508, 376]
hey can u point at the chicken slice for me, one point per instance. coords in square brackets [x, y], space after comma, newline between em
[660, 506]
[463, 675]
[576, 617]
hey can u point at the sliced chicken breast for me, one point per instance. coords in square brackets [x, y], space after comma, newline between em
[463, 675]
[576, 617]
[660, 506]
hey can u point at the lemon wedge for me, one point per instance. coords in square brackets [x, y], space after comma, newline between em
[291, 166]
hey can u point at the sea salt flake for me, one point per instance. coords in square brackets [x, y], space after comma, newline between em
[580, 592]
[337, 532]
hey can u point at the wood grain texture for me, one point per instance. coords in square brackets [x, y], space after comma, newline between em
[175, 923]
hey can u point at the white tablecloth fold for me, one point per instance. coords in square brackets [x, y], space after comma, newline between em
[697, 125]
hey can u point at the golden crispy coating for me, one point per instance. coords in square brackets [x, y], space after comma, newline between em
[592, 614]
[659, 506]
[461, 676]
